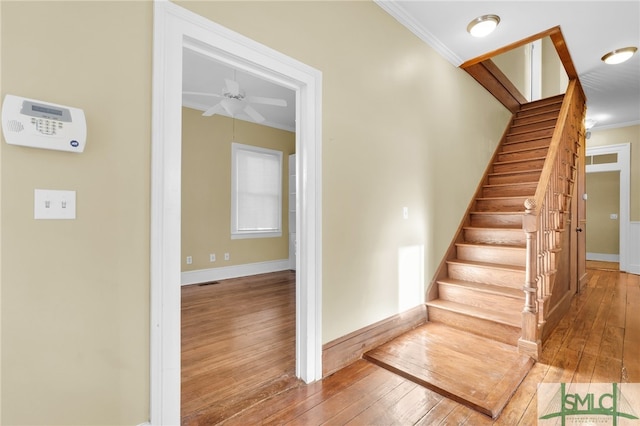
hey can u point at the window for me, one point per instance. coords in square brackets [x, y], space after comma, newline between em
[256, 192]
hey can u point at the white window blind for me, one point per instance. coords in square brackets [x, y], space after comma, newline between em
[256, 192]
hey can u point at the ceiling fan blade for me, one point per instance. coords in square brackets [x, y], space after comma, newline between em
[202, 94]
[216, 109]
[266, 101]
[255, 115]
[232, 87]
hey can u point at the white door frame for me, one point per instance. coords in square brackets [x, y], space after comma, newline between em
[623, 165]
[174, 28]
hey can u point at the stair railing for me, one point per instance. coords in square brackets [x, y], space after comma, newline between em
[546, 215]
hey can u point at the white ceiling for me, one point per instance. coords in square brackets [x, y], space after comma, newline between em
[590, 29]
[201, 73]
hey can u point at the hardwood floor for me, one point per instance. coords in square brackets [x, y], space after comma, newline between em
[238, 345]
[478, 372]
[597, 341]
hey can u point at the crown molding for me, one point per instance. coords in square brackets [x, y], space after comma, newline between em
[396, 11]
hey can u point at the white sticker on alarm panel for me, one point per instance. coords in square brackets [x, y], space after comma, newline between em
[38, 124]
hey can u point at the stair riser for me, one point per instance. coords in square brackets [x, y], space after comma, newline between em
[501, 255]
[542, 105]
[521, 137]
[531, 116]
[500, 205]
[530, 127]
[533, 176]
[515, 190]
[495, 236]
[500, 332]
[478, 274]
[479, 299]
[523, 155]
[518, 166]
[497, 221]
[526, 144]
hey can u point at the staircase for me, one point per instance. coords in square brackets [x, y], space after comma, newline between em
[480, 290]
[469, 350]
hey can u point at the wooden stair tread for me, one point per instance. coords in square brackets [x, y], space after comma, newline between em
[485, 288]
[531, 130]
[515, 172]
[500, 317]
[511, 197]
[524, 141]
[499, 214]
[481, 373]
[513, 268]
[493, 228]
[544, 123]
[510, 184]
[493, 246]
[524, 160]
[557, 99]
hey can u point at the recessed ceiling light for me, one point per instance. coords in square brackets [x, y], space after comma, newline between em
[483, 25]
[619, 55]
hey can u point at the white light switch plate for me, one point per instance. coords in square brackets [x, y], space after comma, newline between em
[54, 204]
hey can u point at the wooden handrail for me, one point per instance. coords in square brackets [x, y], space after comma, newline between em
[544, 217]
[552, 153]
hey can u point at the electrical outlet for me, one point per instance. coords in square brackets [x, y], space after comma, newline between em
[189, 260]
[212, 257]
[226, 256]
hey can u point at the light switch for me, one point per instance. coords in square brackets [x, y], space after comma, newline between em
[54, 204]
[613, 216]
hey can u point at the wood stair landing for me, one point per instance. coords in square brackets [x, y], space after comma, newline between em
[478, 372]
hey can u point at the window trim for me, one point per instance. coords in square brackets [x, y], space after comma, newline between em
[238, 234]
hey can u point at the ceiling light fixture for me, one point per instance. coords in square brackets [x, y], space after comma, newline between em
[618, 56]
[483, 25]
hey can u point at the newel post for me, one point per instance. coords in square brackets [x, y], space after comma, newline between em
[529, 341]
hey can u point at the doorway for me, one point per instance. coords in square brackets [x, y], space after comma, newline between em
[608, 189]
[174, 28]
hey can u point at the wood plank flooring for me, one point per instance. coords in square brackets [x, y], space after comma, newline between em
[238, 345]
[597, 341]
[473, 370]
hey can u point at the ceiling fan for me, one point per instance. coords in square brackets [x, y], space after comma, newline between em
[235, 100]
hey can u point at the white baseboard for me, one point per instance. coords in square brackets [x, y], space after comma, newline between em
[226, 272]
[603, 257]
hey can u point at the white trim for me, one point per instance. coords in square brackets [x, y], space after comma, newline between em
[615, 126]
[623, 165]
[633, 265]
[225, 272]
[175, 28]
[603, 257]
[421, 32]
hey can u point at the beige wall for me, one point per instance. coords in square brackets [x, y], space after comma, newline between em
[75, 293]
[603, 233]
[631, 135]
[206, 190]
[554, 77]
[401, 127]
